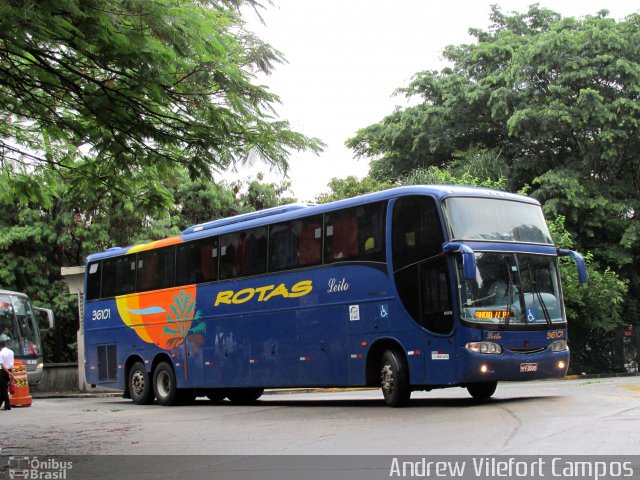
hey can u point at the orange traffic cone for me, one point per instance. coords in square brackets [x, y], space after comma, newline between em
[21, 397]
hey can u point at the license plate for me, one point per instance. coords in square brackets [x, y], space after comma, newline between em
[528, 367]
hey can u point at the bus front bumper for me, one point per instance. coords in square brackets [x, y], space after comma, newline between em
[511, 366]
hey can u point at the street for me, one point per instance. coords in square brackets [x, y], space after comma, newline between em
[565, 417]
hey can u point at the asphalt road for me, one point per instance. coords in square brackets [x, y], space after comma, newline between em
[566, 417]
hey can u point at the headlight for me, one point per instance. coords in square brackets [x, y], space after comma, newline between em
[559, 346]
[489, 348]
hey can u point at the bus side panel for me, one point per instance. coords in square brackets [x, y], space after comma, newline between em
[231, 353]
[101, 353]
[322, 337]
[274, 350]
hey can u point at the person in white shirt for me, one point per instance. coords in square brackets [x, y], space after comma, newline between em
[6, 363]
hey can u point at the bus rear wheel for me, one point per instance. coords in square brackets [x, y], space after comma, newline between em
[394, 379]
[244, 395]
[140, 388]
[482, 391]
[164, 384]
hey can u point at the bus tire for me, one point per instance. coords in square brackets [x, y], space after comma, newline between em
[164, 384]
[394, 379]
[244, 395]
[140, 388]
[482, 391]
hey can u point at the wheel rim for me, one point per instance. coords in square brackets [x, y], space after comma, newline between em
[386, 379]
[137, 382]
[163, 384]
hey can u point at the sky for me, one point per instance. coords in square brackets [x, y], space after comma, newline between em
[345, 58]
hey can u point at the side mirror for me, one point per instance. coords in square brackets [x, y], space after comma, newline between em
[468, 258]
[50, 317]
[580, 263]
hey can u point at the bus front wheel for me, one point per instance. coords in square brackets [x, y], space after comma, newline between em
[140, 388]
[164, 384]
[394, 379]
[482, 391]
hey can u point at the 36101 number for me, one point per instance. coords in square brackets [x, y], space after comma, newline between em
[103, 314]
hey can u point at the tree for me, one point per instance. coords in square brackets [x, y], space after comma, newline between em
[350, 187]
[544, 101]
[551, 101]
[594, 312]
[38, 237]
[106, 90]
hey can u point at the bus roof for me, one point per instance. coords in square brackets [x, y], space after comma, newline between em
[295, 210]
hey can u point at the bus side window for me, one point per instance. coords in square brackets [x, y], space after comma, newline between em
[197, 261]
[356, 234]
[420, 268]
[255, 261]
[342, 236]
[417, 233]
[437, 314]
[295, 244]
[228, 264]
[310, 241]
[243, 253]
[283, 247]
[118, 276]
[156, 269]
[93, 280]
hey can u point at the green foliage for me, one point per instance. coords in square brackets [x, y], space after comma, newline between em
[108, 91]
[544, 104]
[351, 187]
[439, 176]
[36, 239]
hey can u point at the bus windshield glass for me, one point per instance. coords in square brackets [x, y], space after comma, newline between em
[512, 289]
[17, 321]
[495, 219]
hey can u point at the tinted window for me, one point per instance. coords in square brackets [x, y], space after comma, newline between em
[296, 244]
[496, 219]
[243, 253]
[156, 269]
[197, 262]
[356, 234]
[417, 232]
[118, 276]
[94, 271]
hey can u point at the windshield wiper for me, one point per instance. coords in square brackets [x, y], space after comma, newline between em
[543, 305]
[510, 304]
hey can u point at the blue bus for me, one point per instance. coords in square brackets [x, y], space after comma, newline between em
[412, 288]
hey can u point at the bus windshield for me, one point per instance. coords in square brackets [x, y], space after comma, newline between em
[495, 219]
[18, 322]
[512, 289]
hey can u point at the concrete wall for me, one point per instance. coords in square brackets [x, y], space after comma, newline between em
[63, 378]
[58, 377]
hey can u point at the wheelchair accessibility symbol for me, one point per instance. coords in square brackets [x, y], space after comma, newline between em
[384, 311]
[531, 315]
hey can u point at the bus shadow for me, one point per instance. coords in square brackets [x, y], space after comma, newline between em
[377, 403]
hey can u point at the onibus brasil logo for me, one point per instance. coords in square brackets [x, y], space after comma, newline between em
[38, 469]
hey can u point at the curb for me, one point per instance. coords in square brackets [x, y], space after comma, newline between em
[285, 391]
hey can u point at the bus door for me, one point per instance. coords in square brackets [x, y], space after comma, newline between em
[421, 275]
[436, 314]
